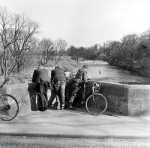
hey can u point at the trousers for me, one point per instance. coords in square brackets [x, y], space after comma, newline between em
[42, 100]
[58, 89]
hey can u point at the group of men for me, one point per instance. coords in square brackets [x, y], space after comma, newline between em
[63, 87]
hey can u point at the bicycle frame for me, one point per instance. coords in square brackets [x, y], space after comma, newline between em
[82, 89]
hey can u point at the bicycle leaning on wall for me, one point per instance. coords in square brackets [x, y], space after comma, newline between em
[95, 102]
[9, 107]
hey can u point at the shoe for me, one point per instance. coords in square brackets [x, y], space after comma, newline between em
[55, 105]
[65, 107]
[71, 107]
[62, 107]
[51, 108]
[82, 102]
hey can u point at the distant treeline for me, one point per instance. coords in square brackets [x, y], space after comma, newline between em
[132, 52]
[81, 53]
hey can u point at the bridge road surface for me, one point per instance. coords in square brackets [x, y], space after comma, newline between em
[49, 142]
[74, 129]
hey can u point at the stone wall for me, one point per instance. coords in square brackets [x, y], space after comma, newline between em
[138, 100]
[20, 92]
[130, 100]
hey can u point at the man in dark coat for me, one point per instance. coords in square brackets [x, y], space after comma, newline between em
[41, 80]
[58, 81]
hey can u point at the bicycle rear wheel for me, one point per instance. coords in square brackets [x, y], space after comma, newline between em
[9, 107]
[96, 104]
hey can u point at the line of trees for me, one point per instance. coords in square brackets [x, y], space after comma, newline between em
[132, 52]
[82, 53]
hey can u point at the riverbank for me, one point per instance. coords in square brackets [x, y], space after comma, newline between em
[98, 71]
[138, 68]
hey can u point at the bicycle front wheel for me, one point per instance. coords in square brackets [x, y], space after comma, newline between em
[9, 107]
[96, 104]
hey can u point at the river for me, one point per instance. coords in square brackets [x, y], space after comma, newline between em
[100, 70]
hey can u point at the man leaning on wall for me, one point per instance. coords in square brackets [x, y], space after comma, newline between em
[58, 82]
[41, 80]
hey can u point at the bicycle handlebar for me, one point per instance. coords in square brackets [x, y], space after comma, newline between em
[95, 84]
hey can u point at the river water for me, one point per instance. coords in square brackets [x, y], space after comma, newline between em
[102, 71]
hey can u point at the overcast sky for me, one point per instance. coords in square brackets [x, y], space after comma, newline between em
[85, 22]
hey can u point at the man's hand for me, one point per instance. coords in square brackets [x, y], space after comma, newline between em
[89, 78]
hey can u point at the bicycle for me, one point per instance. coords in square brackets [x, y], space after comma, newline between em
[9, 107]
[95, 102]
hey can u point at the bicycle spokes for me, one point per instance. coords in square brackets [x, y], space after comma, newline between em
[96, 104]
[8, 108]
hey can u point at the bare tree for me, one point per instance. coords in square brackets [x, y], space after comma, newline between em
[16, 36]
[46, 46]
[59, 49]
[6, 40]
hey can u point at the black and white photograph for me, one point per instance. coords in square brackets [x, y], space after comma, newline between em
[74, 73]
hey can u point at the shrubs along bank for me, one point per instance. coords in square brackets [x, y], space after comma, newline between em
[132, 52]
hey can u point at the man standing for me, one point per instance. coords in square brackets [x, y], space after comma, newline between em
[81, 76]
[58, 81]
[41, 80]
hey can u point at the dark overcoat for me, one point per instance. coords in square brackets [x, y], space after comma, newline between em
[41, 80]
